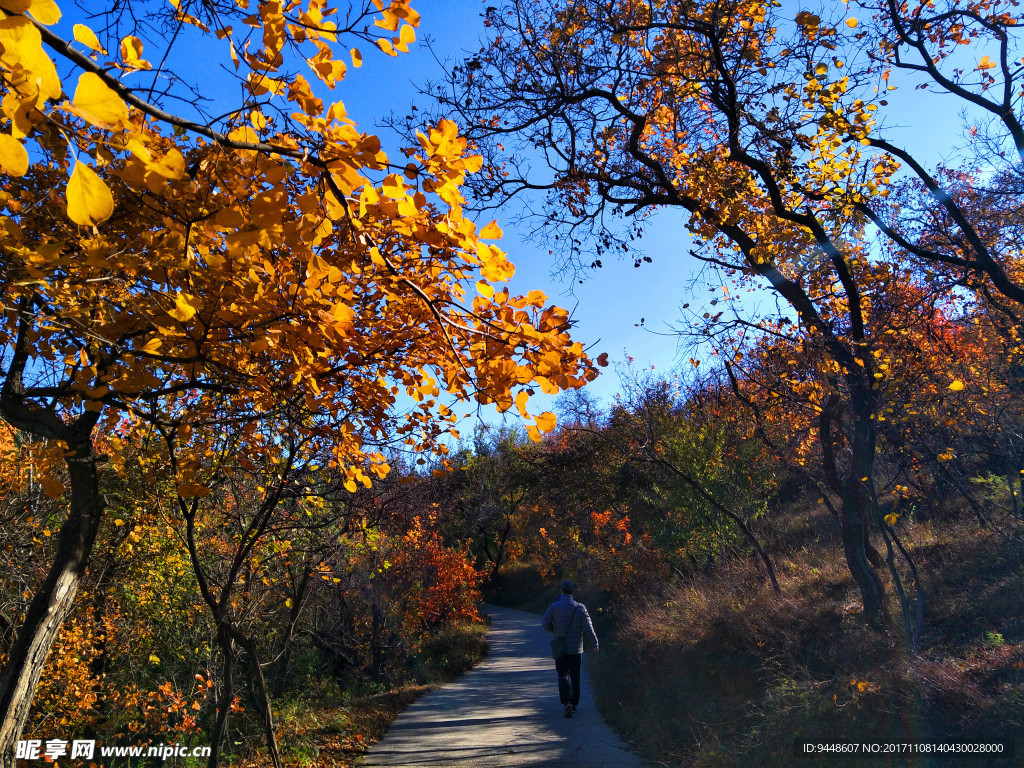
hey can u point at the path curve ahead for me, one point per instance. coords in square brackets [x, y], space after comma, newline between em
[503, 712]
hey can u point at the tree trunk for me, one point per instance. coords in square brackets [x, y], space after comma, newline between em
[855, 499]
[502, 543]
[873, 555]
[54, 600]
[220, 725]
[285, 656]
[860, 505]
[377, 652]
[269, 728]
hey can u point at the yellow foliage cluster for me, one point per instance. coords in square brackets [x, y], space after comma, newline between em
[266, 259]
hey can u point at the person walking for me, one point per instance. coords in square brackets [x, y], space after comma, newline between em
[570, 623]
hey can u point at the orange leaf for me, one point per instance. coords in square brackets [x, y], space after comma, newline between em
[491, 232]
[546, 421]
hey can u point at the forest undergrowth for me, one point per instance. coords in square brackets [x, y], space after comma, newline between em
[330, 725]
[719, 670]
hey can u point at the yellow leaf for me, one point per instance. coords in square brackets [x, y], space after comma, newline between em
[21, 43]
[244, 133]
[495, 267]
[98, 103]
[183, 310]
[154, 659]
[484, 288]
[393, 187]
[546, 421]
[131, 53]
[491, 232]
[891, 518]
[986, 63]
[851, 23]
[956, 385]
[119, 522]
[89, 198]
[407, 36]
[88, 38]
[15, 6]
[13, 157]
[152, 345]
[45, 11]
[385, 45]
[170, 166]
[260, 84]
[357, 58]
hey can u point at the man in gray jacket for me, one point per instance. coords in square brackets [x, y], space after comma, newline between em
[569, 619]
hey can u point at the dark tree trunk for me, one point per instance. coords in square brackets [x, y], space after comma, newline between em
[269, 729]
[873, 555]
[856, 499]
[227, 696]
[54, 600]
[377, 651]
[859, 506]
[298, 601]
[502, 543]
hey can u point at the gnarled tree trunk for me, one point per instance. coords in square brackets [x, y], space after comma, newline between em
[54, 600]
[859, 506]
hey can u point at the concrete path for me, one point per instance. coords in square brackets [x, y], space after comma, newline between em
[504, 712]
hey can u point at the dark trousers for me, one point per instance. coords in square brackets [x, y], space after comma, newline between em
[568, 669]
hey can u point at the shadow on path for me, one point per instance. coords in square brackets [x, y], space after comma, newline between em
[504, 712]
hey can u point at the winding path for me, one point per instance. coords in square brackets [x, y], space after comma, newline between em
[504, 712]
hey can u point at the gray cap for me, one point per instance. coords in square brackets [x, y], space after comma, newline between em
[567, 587]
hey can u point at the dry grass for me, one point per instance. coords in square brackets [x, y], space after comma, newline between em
[720, 671]
[319, 734]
